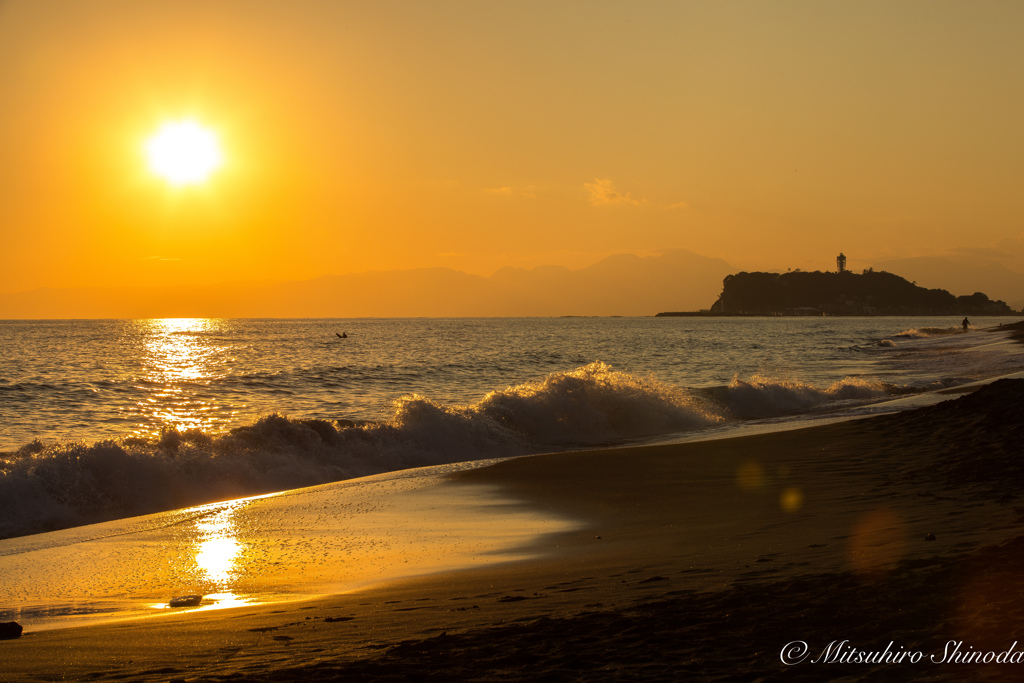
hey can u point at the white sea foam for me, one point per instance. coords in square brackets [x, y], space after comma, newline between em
[770, 397]
[593, 405]
[47, 487]
[926, 332]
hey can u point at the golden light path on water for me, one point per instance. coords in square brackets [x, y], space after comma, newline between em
[178, 358]
[172, 349]
[292, 545]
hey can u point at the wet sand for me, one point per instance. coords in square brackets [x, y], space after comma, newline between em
[698, 561]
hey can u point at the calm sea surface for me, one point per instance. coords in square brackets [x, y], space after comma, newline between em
[91, 380]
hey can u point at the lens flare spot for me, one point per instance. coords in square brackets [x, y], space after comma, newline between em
[792, 499]
[877, 542]
[750, 476]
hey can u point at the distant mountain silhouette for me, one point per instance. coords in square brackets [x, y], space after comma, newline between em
[622, 284]
[964, 274]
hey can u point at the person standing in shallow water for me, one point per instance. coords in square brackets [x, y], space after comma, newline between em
[966, 323]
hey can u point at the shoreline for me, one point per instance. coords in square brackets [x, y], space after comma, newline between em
[264, 550]
[333, 446]
[831, 520]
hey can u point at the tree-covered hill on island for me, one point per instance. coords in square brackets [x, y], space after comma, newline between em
[843, 293]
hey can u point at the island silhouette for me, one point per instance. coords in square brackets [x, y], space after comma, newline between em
[841, 293]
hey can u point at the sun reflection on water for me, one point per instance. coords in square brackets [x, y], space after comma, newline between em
[179, 359]
[176, 348]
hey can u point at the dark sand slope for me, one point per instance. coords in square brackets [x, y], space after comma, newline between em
[701, 561]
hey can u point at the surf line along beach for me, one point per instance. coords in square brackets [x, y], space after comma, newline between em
[695, 560]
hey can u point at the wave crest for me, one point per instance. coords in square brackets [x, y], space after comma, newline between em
[595, 404]
[46, 487]
[925, 332]
[762, 396]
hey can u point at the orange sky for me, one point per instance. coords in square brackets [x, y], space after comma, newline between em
[384, 135]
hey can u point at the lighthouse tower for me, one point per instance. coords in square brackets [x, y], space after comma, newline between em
[841, 262]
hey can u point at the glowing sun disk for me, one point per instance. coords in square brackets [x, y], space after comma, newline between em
[184, 153]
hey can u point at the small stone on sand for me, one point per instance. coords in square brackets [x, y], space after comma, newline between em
[186, 601]
[10, 630]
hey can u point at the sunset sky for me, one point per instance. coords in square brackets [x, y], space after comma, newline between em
[384, 135]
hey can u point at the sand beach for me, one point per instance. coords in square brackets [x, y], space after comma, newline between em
[884, 548]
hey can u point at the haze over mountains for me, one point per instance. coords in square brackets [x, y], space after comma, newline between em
[962, 275]
[622, 284]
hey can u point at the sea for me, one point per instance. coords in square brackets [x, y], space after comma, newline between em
[107, 419]
[251, 461]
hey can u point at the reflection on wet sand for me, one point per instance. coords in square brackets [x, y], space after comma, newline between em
[216, 552]
[284, 546]
[213, 565]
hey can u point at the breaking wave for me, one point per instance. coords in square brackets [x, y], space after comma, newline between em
[925, 332]
[761, 397]
[47, 487]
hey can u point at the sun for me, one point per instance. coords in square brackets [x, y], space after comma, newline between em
[184, 153]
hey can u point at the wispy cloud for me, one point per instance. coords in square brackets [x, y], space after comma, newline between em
[603, 193]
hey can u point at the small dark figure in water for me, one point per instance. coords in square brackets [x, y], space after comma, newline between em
[966, 323]
[343, 335]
